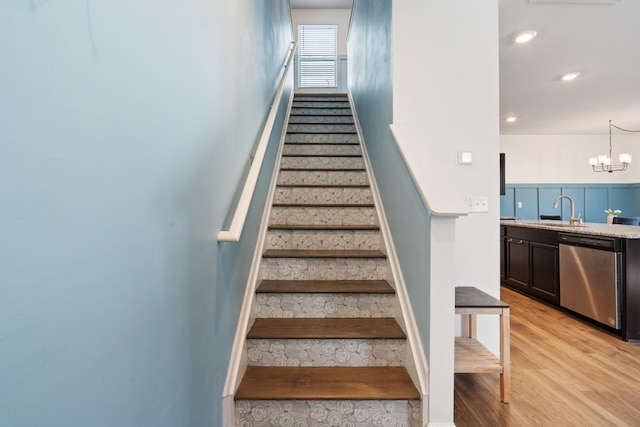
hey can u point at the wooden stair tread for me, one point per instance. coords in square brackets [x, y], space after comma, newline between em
[318, 383]
[321, 122]
[343, 156]
[331, 144]
[321, 132]
[326, 227]
[320, 95]
[322, 170]
[300, 114]
[323, 253]
[325, 286]
[326, 328]
[323, 185]
[323, 205]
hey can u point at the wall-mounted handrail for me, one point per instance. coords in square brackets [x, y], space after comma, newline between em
[242, 209]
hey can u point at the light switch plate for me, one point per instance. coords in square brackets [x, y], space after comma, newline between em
[478, 203]
[465, 158]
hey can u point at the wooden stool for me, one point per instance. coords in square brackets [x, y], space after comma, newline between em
[470, 355]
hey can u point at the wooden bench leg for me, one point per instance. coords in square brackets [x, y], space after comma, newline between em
[505, 355]
[473, 330]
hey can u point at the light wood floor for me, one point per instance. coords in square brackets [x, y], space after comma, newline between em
[564, 372]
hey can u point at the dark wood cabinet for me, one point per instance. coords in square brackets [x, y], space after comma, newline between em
[503, 244]
[530, 263]
[518, 264]
[544, 272]
[531, 257]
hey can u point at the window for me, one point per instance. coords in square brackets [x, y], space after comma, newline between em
[317, 55]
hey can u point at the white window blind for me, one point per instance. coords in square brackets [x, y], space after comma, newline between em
[317, 55]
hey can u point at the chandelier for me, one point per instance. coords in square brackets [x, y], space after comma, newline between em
[602, 163]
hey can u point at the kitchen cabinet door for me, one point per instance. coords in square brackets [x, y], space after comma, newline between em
[544, 272]
[518, 265]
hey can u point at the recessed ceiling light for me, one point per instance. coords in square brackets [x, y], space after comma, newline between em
[511, 119]
[570, 76]
[524, 36]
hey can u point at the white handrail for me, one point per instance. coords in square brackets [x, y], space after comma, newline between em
[242, 209]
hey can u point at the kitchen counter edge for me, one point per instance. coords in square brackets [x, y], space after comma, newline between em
[587, 228]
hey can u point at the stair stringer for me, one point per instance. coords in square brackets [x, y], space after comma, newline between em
[416, 364]
[238, 359]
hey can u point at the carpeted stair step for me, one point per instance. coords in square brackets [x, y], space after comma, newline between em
[319, 328]
[317, 383]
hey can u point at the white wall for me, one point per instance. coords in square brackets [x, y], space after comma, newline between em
[549, 159]
[446, 80]
[338, 17]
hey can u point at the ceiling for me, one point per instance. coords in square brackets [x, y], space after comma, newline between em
[599, 41]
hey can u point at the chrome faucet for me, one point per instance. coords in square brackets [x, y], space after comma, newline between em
[572, 219]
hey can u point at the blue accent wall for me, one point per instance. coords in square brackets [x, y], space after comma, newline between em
[126, 131]
[590, 200]
[370, 49]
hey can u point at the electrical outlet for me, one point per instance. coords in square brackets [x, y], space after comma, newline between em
[519, 205]
[478, 203]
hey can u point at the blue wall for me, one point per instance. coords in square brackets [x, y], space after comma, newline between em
[126, 130]
[590, 200]
[370, 49]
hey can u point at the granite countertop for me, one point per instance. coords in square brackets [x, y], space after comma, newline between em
[590, 228]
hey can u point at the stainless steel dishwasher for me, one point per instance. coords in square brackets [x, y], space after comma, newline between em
[590, 277]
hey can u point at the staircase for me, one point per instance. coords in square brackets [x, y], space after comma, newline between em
[325, 348]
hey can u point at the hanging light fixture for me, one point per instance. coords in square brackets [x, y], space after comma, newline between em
[602, 163]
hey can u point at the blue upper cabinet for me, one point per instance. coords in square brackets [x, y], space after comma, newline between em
[529, 201]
